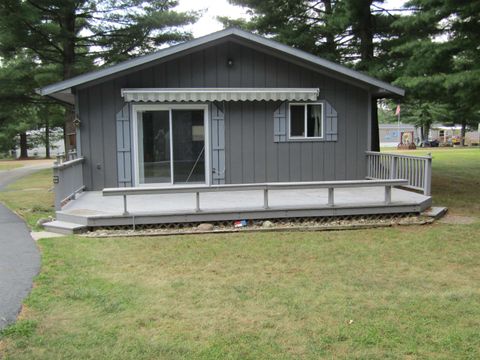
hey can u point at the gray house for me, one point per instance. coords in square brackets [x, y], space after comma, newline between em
[224, 114]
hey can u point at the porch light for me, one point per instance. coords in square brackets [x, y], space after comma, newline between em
[230, 62]
[77, 121]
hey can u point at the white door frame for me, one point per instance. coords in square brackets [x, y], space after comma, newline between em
[168, 107]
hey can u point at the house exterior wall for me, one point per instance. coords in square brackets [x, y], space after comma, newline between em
[251, 154]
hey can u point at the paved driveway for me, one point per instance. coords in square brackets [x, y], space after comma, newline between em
[19, 255]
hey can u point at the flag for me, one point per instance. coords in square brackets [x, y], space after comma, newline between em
[397, 112]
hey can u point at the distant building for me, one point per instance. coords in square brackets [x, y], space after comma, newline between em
[445, 134]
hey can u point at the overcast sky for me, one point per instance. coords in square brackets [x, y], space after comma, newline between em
[213, 8]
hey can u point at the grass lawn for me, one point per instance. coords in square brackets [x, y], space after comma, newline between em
[404, 292]
[456, 178]
[9, 165]
[31, 197]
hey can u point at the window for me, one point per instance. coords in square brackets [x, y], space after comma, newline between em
[306, 121]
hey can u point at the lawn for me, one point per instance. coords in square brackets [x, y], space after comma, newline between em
[404, 292]
[9, 165]
[31, 197]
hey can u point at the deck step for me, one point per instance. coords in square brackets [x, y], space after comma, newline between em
[63, 227]
[435, 212]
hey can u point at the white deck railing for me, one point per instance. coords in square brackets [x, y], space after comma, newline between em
[67, 180]
[265, 187]
[416, 169]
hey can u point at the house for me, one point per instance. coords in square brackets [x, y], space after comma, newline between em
[228, 114]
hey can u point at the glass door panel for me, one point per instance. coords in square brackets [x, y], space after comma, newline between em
[154, 147]
[188, 139]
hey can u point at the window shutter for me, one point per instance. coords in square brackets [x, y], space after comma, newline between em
[330, 123]
[124, 154]
[280, 123]
[218, 144]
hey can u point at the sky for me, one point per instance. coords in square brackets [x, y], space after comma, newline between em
[213, 8]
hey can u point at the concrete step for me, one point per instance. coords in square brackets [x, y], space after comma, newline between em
[63, 227]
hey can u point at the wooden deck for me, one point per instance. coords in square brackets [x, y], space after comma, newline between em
[92, 209]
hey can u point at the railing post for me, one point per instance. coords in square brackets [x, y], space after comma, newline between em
[393, 167]
[369, 171]
[388, 194]
[265, 198]
[197, 201]
[427, 181]
[331, 200]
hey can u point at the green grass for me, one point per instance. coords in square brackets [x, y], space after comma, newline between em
[400, 293]
[31, 197]
[456, 178]
[9, 165]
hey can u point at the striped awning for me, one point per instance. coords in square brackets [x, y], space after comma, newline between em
[220, 94]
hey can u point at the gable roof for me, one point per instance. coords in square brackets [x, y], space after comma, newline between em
[61, 90]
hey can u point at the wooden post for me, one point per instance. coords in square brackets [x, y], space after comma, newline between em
[197, 201]
[427, 181]
[388, 194]
[125, 212]
[331, 200]
[265, 198]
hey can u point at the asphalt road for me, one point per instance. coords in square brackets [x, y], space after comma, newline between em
[19, 255]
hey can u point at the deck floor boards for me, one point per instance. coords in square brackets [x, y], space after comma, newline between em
[91, 206]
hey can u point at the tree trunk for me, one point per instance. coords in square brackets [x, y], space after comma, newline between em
[462, 133]
[47, 138]
[364, 31]
[68, 46]
[23, 146]
[422, 134]
[374, 135]
[331, 47]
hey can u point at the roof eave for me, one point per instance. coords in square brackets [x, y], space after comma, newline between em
[271, 44]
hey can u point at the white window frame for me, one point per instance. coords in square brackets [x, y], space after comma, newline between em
[305, 136]
[135, 108]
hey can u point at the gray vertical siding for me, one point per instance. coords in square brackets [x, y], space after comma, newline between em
[251, 155]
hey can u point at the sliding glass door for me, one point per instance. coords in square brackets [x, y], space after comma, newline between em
[171, 146]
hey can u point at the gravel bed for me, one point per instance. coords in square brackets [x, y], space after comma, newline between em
[267, 225]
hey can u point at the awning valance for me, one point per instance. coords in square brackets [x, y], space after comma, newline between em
[220, 94]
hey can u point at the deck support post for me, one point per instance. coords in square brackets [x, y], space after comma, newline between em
[388, 194]
[197, 201]
[125, 211]
[331, 195]
[265, 198]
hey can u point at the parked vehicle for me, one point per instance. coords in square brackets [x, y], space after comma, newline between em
[429, 143]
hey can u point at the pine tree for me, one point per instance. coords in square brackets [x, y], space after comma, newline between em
[438, 61]
[340, 30]
[68, 37]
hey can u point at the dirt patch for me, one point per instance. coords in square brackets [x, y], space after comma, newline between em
[458, 220]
